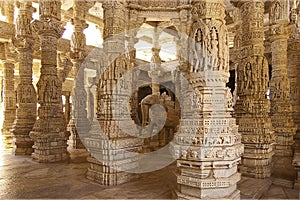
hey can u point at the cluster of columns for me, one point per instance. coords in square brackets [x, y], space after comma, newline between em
[44, 136]
[208, 146]
[267, 127]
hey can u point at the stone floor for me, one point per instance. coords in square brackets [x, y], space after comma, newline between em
[22, 178]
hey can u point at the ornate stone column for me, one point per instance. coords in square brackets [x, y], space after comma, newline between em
[252, 107]
[26, 94]
[114, 147]
[9, 111]
[208, 146]
[281, 109]
[49, 133]
[294, 76]
[79, 118]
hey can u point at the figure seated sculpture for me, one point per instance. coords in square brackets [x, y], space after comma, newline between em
[157, 112]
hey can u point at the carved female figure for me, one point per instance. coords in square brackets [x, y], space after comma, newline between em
[248, 75]
[198, 50]
[214, 49]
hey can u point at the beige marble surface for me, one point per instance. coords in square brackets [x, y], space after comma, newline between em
[22, 178]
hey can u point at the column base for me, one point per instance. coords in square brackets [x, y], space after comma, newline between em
[296, 164]
[259, 172]
[22, 145]
[50, 148]
[7, 140]
[212, 180]
[107, 176]
[177, 195]
[75, 141]
[283, 168]
[257, 161]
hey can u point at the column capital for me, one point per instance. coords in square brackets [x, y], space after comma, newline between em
[204, 9]
[281, 31]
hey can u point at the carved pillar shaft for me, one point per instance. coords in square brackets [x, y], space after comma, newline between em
[114, 159]
[294, 76]
[9, 111]
[252, 107]
[26, 94]
[49, 134]
[207, 146]
[281, 109]
[79, 121]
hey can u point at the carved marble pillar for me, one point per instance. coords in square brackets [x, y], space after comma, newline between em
[252, 107]
[207, 146]
[9, 111]
[49, 133]
[294, 76]
[281, 109]
[155, 64]
[112, 154]
[26, 94]
[79, 118]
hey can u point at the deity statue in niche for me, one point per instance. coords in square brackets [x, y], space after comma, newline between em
[248, 75]
[45, 93]
[214, 49]
[54, 90]
[77, 41]
[198, 51]
[229, 98]
[146, 103]
[277, 11]
[155, 60]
